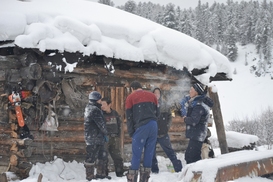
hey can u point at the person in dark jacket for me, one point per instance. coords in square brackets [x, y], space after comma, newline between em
[196, 118]
[95, 135]
[141, 114]
[113, 124]
[164, 124]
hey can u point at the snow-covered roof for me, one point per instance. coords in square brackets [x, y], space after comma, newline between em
[89, 27]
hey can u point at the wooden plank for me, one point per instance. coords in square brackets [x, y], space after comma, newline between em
[252, 168]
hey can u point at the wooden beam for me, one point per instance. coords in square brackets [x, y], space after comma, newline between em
[219, 124]
[252, 168]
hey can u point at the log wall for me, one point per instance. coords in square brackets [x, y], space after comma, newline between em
[52, 88]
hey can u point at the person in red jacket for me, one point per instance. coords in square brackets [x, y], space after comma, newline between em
[142, 112]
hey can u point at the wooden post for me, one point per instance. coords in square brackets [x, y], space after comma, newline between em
[218, 119]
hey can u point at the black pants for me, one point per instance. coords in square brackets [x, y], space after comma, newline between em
[95, 152]
[193, 152]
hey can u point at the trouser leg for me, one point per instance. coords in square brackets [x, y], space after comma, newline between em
[144, 138]
[166, 145]
[102, 165]
[155, 168]
[193, 151]
[115, 152]
[149, 146]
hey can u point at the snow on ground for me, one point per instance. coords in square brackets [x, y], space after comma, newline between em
[72, 171]
[60, 171]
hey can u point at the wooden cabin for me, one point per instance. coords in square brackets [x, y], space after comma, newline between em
[58, 98]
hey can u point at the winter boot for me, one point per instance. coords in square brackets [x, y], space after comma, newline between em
[119, 170]
[102, 170]
[144, 174]
[89, 168]
[132, 175]
[177, 165]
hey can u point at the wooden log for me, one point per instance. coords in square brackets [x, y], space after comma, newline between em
[14, 147]
[251, 168]
[13, 160]
[13, 76]
[5, 150]
[4, 161]
[40, 177]
[33, 72]
[219, 124]
[3, 177]
[12, 62]
[2, 75]
[20, 142]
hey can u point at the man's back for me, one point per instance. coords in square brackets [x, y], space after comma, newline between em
[141, 107]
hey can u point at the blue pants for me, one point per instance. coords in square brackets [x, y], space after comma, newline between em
[144, 138]
[166, 145]
[193, 151]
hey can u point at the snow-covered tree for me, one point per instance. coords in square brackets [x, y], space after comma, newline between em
[232, 49]
[107, 2]
[130, 6]
[169, 17]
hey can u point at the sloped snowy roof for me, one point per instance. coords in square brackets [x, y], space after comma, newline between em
[89, 27]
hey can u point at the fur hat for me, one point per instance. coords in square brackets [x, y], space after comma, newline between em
[94, 96]
[199, 88]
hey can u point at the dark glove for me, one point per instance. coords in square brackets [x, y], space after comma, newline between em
[106, 138]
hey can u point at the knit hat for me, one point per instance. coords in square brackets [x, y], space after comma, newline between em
[199, 88]
[94, 96]
[156, 88]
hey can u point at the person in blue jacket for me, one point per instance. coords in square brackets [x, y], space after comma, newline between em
[195, 113]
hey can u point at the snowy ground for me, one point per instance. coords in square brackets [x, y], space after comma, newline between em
[60, 171]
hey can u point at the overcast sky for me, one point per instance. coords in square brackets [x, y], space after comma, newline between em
[182, 3]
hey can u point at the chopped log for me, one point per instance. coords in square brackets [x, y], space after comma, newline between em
[13, 160]
[14, 127]
[14, 147]
[14, 134]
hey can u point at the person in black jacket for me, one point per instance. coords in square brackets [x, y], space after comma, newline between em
[95, 135]
[113, 124]
[141, 114]
[196, 119]
[164, 124]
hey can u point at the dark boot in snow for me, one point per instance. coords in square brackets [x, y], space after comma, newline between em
[102, 170]
[132, 175]
[89, 168]
[119, 170]
[144, 174]
[177, 165]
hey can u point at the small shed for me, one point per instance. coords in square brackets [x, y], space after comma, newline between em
[54, 61]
